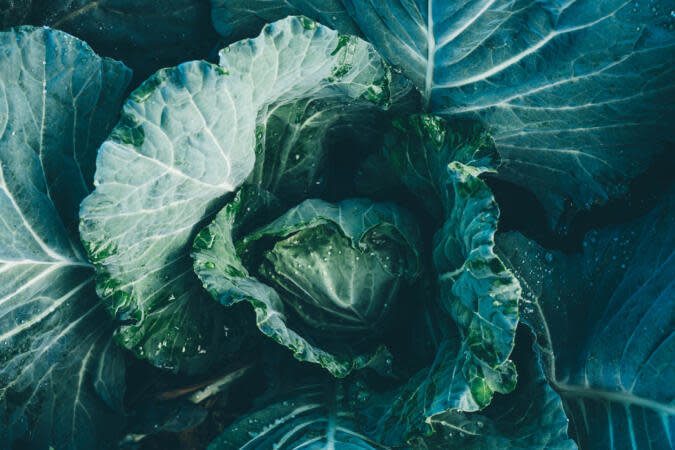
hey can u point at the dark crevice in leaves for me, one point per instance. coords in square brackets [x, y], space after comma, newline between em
[146, 35]
[521, 211]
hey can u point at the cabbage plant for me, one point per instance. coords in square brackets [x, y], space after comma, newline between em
[296, 241]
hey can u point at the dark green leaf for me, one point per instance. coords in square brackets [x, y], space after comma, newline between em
[604, 321]
[532, 417]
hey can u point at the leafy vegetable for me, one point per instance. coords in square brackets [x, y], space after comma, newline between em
[604, 325]
[316, 410]
[62, 379]
[574, 93]
[334, 271]
[187, 138]
[475, 289]
[354, 255]
[333, 182]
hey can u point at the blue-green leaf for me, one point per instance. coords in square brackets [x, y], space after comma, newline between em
[604, 321]
[62, 378]
[318, 414]
[441, 162]
[186, 139]
[575, 93]
[531, 417]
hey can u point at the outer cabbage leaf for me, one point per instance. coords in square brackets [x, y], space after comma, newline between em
[238, 19]
[532, 417]
[319, 414]
[187, 138]
[455, 382]
[477, 292]
[327, 268]
[61, 375]
[604, 321]
[144, 34]
[575, 93]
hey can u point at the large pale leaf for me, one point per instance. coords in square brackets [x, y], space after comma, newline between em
[186, 139]
[604, 321]
[61, 375]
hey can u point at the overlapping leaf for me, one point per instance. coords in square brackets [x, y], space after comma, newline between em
[604, 321]
[318, 414]
[531, 417]
[575, 93]
[348, 281]
[186, 139]
[441, 163]
[62, 378]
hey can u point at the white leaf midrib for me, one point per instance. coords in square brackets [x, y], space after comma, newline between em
[431, 54]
